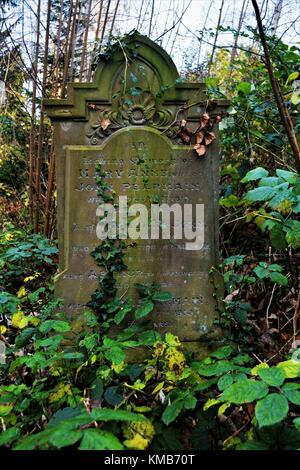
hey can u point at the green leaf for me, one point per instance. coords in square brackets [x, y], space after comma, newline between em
[148, 338]
[24, 337]
[282, 193]
[162, 296]
[96, 439]
[65, 414]
[272, 376]
[97, 389]
[297, 423]
[106, 414]
[189, 402]
[288, 176]
[172, 411]
[291, 391]
[56, 325]
[65, 437]
[270, 181]
[73, 355]
[244, 87]
[144, 309]
[7, 437]
[119, 317]
[115, 355]
[293, 233]
[261, 272]
[223, 352]
[253, 445]
[279, 278]
[208, 370]
[263, 193]
[271, 410]
[224, 382]
[245, 391]
[114, 395]
[277, 237]
[255, 174]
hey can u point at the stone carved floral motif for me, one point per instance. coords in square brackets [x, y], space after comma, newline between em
[138, 110]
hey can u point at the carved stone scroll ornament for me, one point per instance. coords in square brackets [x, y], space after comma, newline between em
[139, 110]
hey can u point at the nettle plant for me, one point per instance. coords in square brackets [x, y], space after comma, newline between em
[279, 205]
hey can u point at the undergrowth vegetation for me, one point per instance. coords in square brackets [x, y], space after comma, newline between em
[86, 392]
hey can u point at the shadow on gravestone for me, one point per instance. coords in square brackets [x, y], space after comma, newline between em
[127, 120]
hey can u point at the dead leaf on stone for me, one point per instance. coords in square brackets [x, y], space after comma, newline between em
[184, 133]
[95, 107]
[204, 120]
[200, 149]
[209, 138]
[199, 137]
[185, 136]
[105, 123]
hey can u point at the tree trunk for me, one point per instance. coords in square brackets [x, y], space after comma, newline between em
[32, 135]
[276, 16]
[114, 19]
[89, 76]
[84, 46]
[41, 126]
[282, 108]
[104, 24]
[234, 49]
[216, 38]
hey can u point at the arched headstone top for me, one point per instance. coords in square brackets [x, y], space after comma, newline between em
[136, 82]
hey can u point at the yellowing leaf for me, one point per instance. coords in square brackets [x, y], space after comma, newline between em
[262, 365]
[93, 359]
[21, 292]
[137, 443]
[291, 368]
[5, 409]
[60, 391]
[118, 367]
[31, 278]
[19, 320]
[3, 329]
[223, 408]
[285, 207]
[210, 402]
[158, 388]
[172, 340]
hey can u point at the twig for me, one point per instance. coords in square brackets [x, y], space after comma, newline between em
[295, 318]
[269, 305]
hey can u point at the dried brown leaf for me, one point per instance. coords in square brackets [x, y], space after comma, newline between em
[204, 120]
[185, 136]
[209, 138]
[105, 123]
[199, 137]
[200, 149]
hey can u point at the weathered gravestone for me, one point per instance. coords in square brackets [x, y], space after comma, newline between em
[127, 120]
